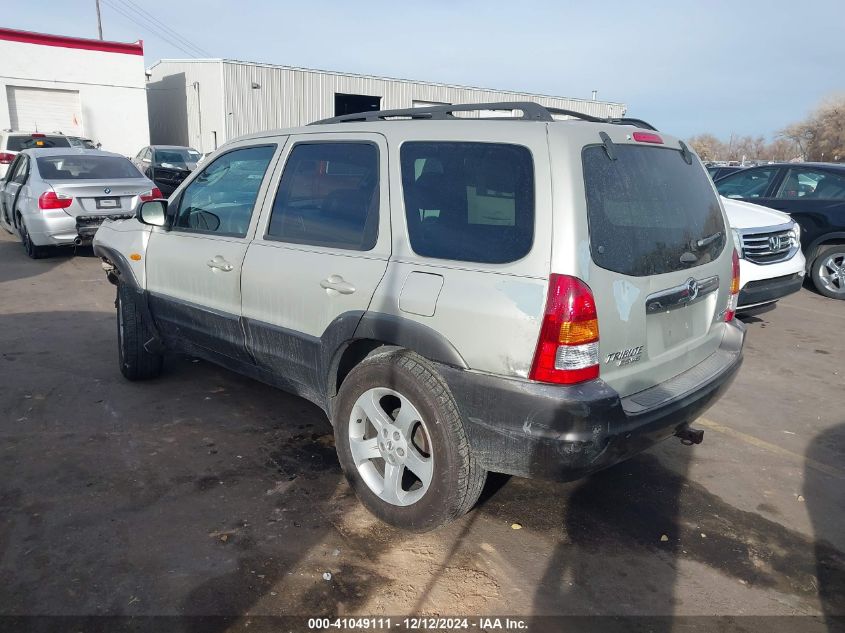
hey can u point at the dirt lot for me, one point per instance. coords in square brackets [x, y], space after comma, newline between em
[206, 493]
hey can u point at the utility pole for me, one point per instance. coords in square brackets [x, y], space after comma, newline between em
[99, 20]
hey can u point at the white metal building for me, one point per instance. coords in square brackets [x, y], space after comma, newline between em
[80, 87]
[202, 103]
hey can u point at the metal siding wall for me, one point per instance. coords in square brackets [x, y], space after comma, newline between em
[175, 107]
[290, 97]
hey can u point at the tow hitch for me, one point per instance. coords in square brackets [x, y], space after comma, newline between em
[689, 435]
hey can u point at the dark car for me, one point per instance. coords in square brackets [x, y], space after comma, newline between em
[814, 195]
[717, 172]
[167, 165]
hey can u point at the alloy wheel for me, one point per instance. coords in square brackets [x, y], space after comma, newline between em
[832, 272]
[391, 446]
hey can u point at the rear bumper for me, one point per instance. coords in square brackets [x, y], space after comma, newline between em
[763, 291]
[66, 229]
[566, 432]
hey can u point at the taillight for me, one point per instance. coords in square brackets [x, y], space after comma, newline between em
[733, 297]
[53, 200]
[568, 348]
[647, 137]
[6, 158]
[153, 194]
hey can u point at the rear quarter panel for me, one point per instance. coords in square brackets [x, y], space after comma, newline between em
[490, 313]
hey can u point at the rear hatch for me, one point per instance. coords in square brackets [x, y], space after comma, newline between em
[659, 257]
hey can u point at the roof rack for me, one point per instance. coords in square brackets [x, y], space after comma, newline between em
[531, 111]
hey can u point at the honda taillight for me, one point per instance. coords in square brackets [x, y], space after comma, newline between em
[568, 348]
[53, 200]
[6, 158]
[733, 297]
[153, 194]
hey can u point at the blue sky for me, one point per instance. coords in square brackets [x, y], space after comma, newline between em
[720, 66]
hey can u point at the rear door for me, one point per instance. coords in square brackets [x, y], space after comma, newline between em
[660, 260]
[194, 267]
[320, 251]
[814, 196]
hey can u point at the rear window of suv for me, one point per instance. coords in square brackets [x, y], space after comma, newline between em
[470, 202]
[649, 211]
[17, 143]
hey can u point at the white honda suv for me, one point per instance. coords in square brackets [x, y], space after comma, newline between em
[771, 264]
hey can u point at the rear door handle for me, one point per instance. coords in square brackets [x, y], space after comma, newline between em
[336, 283]
[219, 263]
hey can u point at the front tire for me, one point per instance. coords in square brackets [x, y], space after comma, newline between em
[828, 271]
[136, 362]
[402, 445]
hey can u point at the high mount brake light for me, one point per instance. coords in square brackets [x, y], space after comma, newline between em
[568, 347]
[648, 137]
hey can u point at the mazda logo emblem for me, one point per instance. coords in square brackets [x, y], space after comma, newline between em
[692, 289]
[107, 190]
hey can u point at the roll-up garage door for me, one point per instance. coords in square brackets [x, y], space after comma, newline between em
[44, 110]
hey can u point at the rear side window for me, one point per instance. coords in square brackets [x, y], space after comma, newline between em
[17, 143]
[86, 167]
[649, 211]
[469, 201]
[328, 196]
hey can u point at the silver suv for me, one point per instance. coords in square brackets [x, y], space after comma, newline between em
[526, 295]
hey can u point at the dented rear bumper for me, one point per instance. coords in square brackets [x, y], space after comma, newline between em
[566, 432]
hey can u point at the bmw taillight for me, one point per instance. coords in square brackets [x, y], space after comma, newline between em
[52, 200]
[733, 297]
[568, 347]
[153, 194]
[6, 158]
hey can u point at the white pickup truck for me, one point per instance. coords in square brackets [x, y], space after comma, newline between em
[771, 263]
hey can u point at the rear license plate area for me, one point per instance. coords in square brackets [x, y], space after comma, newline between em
[107, 203]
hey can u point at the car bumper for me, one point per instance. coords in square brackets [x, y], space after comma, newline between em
[563, 433]
[762, 284]
[757, 293]
[68, 230]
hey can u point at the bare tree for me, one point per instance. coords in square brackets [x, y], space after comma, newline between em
[821, 136]
[707, 146]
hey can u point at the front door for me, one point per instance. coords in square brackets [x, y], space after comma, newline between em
[320, 251]
[194, 266]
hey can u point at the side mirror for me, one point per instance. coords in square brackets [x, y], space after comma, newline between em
[153, 213]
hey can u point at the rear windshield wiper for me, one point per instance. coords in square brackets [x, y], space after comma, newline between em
[706, 241]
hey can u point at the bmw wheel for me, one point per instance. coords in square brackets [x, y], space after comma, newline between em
[32, 249]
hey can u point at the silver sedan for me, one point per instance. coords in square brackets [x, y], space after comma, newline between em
[60, 196]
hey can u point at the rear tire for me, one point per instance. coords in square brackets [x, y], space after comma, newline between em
[828, 271]
[401, 392]
[136, 363]
[32, 249]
